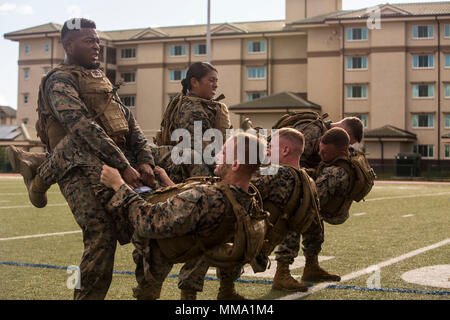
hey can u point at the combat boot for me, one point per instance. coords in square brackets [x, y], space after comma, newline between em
[285, 282]
[25, 163]
[314, 273]
[228, 292]
[187, 294]
[37, 191]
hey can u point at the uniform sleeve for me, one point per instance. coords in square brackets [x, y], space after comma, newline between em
[184, 213]
[190, 113]
[312, 136]
[71, 112]
[332, 181]
[137, 141]
[277, 188]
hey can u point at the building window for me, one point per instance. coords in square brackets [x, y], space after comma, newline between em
[128, 53]
[255, 95]
[356, 92]
[46, 70]
[128, 76]
[425, 150]
[200, 49]
[423, 91]
[257, 73]
[177, 75]
[26, 98]
[171, 96]
[25, 121]
[47, 47]
[256, 46]
[27, 49]
[447, 90]
[177, 51]
[423, 32]
[364, 119]
[355, 34]
[447, 60]
[129, 101]
[26, 74]
[356, 63]
[447, 151]
[447, 121]
[447, 30]
[423, 121]
[423, 61]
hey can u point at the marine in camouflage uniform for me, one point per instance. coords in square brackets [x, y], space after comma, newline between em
[312, 133]
[75, 164]
[278, 189]
[198, 211]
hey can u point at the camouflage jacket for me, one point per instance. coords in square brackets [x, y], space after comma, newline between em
[276, 188]
[87, 143]
[331, 182]
[312, 134]
[199, 210]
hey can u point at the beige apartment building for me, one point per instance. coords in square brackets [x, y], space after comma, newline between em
[389, 67]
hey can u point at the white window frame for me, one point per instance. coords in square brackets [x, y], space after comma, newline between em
[256, 78]
[445, 66]
[26, 74]
[174, 47]
[256, 52]
[129, 96]
[357, 98]
[422, 38]
[181, 75]
[263, 94]
[418, 61]
[197, 45]
[362, 33]
[447, 115]
[362, 63]
[423, 114]
[130, 72]
[446, 147]
[445, 27]
[428, 146]
[427, 97]
[128, 58]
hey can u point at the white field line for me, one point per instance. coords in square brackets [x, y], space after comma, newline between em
[22, 193]
[31, 206]
[367, 270]
[410, 196]
[40, 235]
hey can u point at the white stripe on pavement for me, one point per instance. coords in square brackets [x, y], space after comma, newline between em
[367, 270]
[40, 235]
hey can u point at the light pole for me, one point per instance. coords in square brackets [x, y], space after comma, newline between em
[208, 34]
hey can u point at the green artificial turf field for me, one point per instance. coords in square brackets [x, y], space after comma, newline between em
[400, 228]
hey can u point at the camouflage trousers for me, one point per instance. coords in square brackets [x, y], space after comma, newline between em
[192, 274]
[312, 241]
[87, 199]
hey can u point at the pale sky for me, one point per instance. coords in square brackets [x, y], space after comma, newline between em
[131, 14]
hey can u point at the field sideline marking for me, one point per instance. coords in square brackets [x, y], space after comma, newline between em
[367, 270]
[40, 235]
[410, 196]
[31, 206]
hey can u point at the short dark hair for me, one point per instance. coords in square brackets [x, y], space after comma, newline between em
[197, 70]
[75, 24]
[356, 127]
[336, 136]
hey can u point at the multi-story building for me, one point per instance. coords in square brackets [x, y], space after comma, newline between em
[390, 67]
[7, 116]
